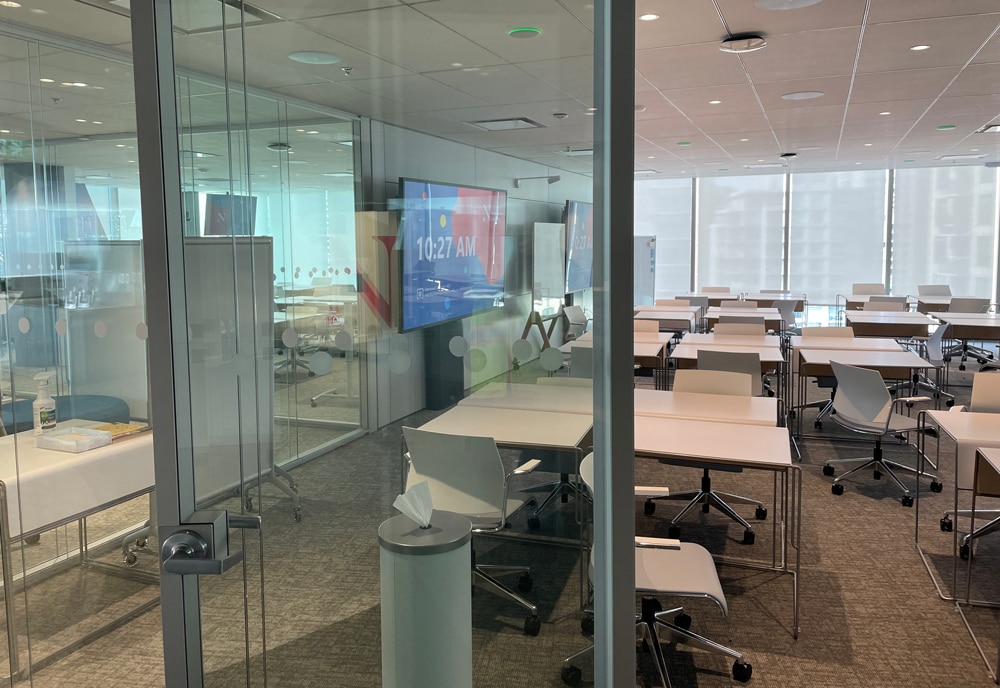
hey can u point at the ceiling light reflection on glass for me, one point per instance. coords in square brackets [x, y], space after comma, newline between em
[648, 17]
[314, 57]
[918, 48]
[524, 32]
[803, 95]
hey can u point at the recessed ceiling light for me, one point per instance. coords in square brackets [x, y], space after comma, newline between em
[974, 150]
[918, 48]
[683, 143]
[98, 176]
[47, 81]
[79, 120]
[66, 83]
[648, 17]
[743, 43]
[96, 122]
[885, 113]
[809, 148]
[650, 157]
[868, 144]
[744, 140]
[496, 125]
[4, 131]
[79, 84]
[785, 4]
[945, 127]
[131, 161]
[119, 145]
[524, 32]
[803, 95]
[457, 64]
[38, 11]
[312, 131]
[470, 69]
[962, 156]
[715, 102]
[9, 3]
[314, 57]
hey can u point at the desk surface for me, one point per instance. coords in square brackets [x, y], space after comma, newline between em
[969, 318]
[693, 310]
[846, 343]
[696, 442]
[47, 487]
[727, 340]
[969, 431]
[876, 360]
[888, 317]
[549, 398]
[717, 408]
[768, 354]
[716, 311]
[648, 348]
[514, 427]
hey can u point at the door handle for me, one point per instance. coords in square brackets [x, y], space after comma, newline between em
[201, 546]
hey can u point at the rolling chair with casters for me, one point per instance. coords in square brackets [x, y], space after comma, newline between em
[667, 568]
[576, 322]
[466, 476]
[963, 348]
[985, 399]
[711, 381]
[932, 350]
[864, 405]
[295, 338]
[825, 406]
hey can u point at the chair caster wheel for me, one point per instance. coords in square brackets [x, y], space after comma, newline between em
[964, 551]
[587, 624]
[961, 366]
[947, 525]
[742, 671]
[571, 675]
[297, 515]
[791, 414]
[534, 523]
[532, 625]
[749, 537]
[907, 500]
[770, 392]
[313, 404]
[877, 475]
[32, 539]
[683, 620]
[936, 486]
[311, 374]
[949, 403]
[248, 504]
[837, 489]
[525, 582]
[828, 470]
[705, 508]
[130, 559]
[649, 508]
[674, 532]
[761, 513]
[818, 424]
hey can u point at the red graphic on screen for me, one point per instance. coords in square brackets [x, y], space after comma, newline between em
[477, 224]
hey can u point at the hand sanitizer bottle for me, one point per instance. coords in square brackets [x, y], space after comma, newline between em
[43, 408]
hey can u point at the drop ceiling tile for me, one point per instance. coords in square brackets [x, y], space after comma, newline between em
[743, 16]
[975, 80]
[540, 112]
[793, 138]
[907, 84]
[523, 137]
[499, 84]
[72, 19]
[655, 107]
[903, 10]
[724, 123]
[697, 102]
[302, 9]
[790, 56]
[416, 92]
[404, 36]
[828, 115]
[834, 88]
[486, 23]
[900, 110]
[953, 40]
[681, 22]
[573, 76]
[875, 133]
[965, 106]
[341, 97]
[583, 10]
[673, 127]
[671, 68]
[989, 52]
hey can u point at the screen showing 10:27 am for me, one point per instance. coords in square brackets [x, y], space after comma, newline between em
[452, 241]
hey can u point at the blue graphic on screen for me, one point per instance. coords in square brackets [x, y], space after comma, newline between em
[579, 246]
[452, 243]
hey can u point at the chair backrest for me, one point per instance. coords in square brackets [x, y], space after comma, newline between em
[734, 362]
[787, 309]
[933, 290]
[464, 473]
[828, 332]
[737, 304]
[933, 347]
[872, 305]
[862, 397]
[575, 315]
[716, 290]
[714, 382]
[772, 291]
[882, 298]
[985, 393]
[559, 381]
[699, 301]
[672, 302]
[742, 319]
[581, 362]
[867, 288]
[587, 472]
[644, 325]
[968, 305]
[725, 327]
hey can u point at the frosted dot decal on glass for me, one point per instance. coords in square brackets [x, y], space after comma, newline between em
[61, 327]
[101, 329]
[290, 338]
[23, 325]
[551, 359]
[522, 349]
[321, 363]
[398, 343]
[343, 340]
[477, 360]
[458, 346]
[142, 331]
[399, 362]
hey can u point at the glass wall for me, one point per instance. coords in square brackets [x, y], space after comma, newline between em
[944, 230]
[837, 233]
[663, 210]
[740, 232]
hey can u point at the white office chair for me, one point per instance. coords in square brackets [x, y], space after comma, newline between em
[963, 349]
[665, 568]
[466, 476]
[933, 290]
[740, 328]
[742, 320]
[718, 375]
[644, 325]
[737, 304]
[932, 350]
[576, 322]
[786, 308]
[737, 362]
[867, 288]
[864, 405]
[825, 406]
[887, 306]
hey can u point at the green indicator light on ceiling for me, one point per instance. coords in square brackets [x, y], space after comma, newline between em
[524, 32]
[723, 169]
[946, 127]
[683, 143]
[907, 161]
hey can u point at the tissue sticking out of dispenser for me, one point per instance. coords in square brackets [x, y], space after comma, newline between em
[416, 503]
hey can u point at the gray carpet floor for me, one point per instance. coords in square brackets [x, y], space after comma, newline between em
[870, 615]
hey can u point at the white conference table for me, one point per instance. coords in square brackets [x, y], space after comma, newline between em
[888, 323]
[699, 443]
[771, 356]
[531, 397]
[966, 327]
[986, 483]
[767, 299]
[677, 319]
[707, 339]
[856, 302]
[717, 408]
[648, 350]
[969, 432]
[771, 316]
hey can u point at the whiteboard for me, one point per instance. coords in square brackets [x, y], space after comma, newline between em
[549, 263]
[644, 284]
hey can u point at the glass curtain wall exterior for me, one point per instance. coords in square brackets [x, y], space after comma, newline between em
[663, 210]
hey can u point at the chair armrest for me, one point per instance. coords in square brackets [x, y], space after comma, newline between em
[958, 409]
[651, 491]
[656, 542]
[910, 400]
[526, 467]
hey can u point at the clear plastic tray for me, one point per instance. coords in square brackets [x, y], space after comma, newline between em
[74, 440]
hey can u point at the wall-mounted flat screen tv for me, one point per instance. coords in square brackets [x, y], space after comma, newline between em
[228, 215]
[579, 246]
[452, 243]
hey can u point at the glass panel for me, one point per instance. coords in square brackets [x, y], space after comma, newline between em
[663, 210]
[741, 232]
[837, 232]
[72, 326]
[944, 230]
